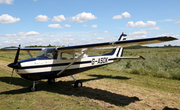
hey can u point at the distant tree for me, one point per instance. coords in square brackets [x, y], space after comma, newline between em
[169, 45]
[49, 45]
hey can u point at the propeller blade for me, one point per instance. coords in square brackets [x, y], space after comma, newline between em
[17, 55]
[15, 61]
[11, 76]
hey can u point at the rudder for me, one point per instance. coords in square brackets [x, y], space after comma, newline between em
[119, 50]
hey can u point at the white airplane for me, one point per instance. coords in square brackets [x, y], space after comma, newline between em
[57, 62]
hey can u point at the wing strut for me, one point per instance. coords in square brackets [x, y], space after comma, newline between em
[29, 54]
[73, 61]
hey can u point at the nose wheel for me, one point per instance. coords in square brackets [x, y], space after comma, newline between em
[77, 83]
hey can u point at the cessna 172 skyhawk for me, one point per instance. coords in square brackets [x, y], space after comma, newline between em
[57, 62]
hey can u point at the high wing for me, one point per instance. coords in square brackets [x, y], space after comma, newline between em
[26, 49]
[125, 43]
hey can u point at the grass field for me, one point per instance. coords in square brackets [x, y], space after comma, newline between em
[159, 62]
[107, 87]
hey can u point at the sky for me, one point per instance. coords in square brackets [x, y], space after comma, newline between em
[75, 22]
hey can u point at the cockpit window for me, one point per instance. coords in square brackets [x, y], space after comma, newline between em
[50, 53]
[41, 54]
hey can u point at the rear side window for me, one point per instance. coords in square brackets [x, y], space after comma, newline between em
[68, 56]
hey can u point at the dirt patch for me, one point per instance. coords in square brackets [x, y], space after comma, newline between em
[3, 66]
[144, 98]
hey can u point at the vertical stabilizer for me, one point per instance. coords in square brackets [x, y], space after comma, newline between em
[122, 37]
[119, 50]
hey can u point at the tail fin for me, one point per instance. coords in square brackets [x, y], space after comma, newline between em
[119, 51]
[122, 37]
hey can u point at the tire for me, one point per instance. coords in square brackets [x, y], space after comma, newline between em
[78, 84]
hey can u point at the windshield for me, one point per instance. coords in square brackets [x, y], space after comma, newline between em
[50, 53]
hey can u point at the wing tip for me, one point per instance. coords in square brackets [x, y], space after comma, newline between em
[168, 38]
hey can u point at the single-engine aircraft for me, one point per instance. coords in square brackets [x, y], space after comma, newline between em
[57, 62]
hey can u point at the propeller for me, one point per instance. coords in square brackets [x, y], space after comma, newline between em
[14, 65]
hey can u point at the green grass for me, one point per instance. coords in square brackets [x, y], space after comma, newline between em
[159, 62]
[107, 87]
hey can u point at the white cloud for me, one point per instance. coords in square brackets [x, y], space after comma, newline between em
[7, 19]
[177, 22]
[105, 32]
[94, 26]
[21, 34]
[84, 25]
[67, 36]
[123, 15]
[166, 20]
[13, 42]
[31, 33]
[96, 35]
[36, 41]
[141, 32]
[82, 17]
[141, 24]
[100, 38]
[165, 34]
[42, 18]
[64, 41]
[6, 2]
[66, 25]
[52, 33]
[54, 26]
[177, 36]
[155, 28]
[59, 18]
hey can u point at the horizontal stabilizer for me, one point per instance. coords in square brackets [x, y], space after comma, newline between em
[133, 58]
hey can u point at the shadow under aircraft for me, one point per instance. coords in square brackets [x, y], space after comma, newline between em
[62, 87]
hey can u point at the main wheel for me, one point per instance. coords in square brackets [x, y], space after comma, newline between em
[50, 81]
[32, 89]
[78, 84]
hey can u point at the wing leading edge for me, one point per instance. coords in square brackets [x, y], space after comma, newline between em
[125, 43]
[26, 49]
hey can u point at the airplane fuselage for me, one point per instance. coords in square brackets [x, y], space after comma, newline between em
[46, 68]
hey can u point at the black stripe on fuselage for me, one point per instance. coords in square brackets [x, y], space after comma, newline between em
[51, 65]
[59, 64]
[53, 74]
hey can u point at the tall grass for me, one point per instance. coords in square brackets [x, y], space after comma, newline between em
[159, 62]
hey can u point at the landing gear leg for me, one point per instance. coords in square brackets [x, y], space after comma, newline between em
[33, 88]
[77, 83]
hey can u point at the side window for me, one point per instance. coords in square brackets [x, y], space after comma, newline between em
[68, 56]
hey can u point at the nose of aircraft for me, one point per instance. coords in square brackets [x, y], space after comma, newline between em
[13, 65]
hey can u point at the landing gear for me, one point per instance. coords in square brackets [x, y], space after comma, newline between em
[77, 83]
[50, 81]
[33, 87]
